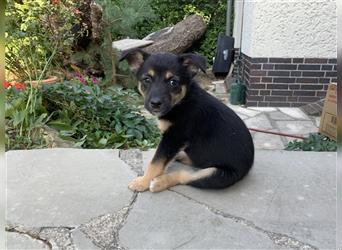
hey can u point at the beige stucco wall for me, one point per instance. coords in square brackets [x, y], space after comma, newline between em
[287, 28]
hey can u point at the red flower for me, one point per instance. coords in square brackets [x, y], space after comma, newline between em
[7, 85]
[19, 86]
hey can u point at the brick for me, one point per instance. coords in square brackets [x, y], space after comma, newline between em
[321, 93]
[278, 73]
[294, 86]
[330, 74]
[308, 98]
[258, 73]
[286, 66]
[257, 86]
[312, 86]
[264, 92]
[332, 61]
[280, 60]
[275, 98]
[316, 60]
[297, 60]
[263, 104]
[309, 67]
[251, 104]
[313, 73]
[282, 92]
[279, 104]
[298, 104]
[284, 80]
[296, 73]
[324, 80]
[325, 87]
[277, 86]
[256, 66]
[335, 67]
[259, 60]
[292, 99]
[252, 92]
[254, 79]
[266, 79]
[327, 67]
[255, 98]
[267, 66]
[304, 93]
[307, 80]
[333, 79]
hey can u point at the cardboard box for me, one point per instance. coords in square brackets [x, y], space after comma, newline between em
[328, 123]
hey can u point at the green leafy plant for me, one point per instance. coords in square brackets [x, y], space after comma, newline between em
[25, 118]
[92, 117]
[35, 30]
[315, 142]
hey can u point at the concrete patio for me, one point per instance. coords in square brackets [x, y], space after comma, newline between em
[78, 199]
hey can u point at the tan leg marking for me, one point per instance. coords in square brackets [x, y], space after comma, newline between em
[142, 183]
[140, 88]
[178, 177]
[176, 98]
[163, 125]
[183, 158]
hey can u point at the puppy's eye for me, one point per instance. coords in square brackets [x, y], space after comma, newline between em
[147, 80]
[173, 82]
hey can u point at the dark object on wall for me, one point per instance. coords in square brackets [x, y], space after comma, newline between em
[224, 55]
[237, 93]
[178, 38]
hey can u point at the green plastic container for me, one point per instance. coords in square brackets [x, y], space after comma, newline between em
[237, 93]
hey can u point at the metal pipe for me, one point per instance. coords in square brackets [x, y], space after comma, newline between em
[228, 16]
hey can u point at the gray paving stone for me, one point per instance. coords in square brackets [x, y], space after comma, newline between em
[16, 241]
[169, 221]
[260, 122]
[82, 242]
[267, 141]
[302, 128]
[277, 115]
[263, 109]
[65, 187]
[292, 193]
[243, 110]
[296, 113]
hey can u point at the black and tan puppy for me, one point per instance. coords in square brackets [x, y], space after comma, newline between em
[197, 129]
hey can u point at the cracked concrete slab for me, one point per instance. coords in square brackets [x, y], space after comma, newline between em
[168, 221]
[292, 193]
[15, 241]
[65, 187]
[260, 121]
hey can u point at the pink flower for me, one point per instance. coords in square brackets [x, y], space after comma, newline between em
[94, 79]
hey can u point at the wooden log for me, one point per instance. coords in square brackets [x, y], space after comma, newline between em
[178, 38]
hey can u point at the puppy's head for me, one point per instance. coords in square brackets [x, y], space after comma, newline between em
[163, 78]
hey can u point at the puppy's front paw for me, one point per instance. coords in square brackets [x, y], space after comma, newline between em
[157, 185]
[139, 184]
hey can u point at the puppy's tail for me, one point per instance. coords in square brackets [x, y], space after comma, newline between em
[221, 178]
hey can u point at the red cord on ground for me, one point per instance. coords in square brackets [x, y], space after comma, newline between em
[276, 133]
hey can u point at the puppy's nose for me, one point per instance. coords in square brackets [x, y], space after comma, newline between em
[155, 103]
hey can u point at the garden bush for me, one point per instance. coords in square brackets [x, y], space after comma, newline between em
[93, 117]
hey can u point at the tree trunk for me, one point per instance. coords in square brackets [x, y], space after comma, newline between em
[178, 38]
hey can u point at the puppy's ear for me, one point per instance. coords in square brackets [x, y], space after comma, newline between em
[193, 63]
[135, 58]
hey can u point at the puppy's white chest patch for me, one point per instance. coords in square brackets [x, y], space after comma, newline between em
[163, 125]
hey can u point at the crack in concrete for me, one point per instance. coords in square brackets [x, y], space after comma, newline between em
[52, 237]
[33, 234]
[278, 239]
[184, 243]
[103, 230]
[133, 158]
